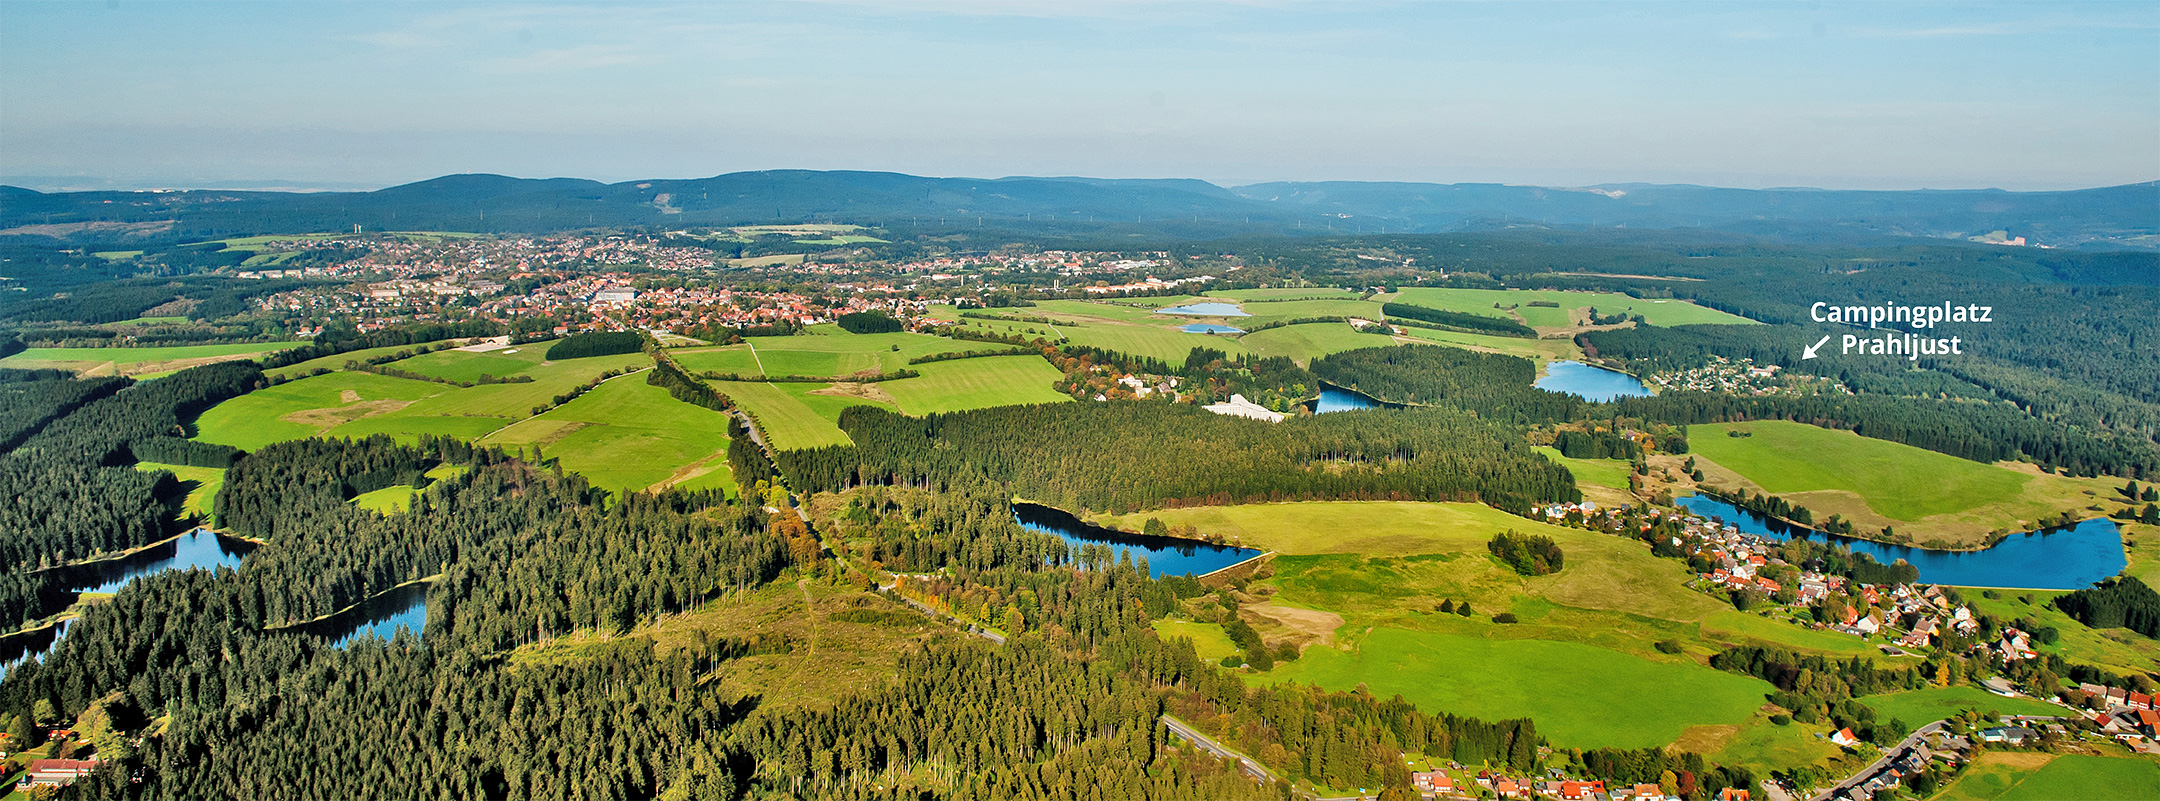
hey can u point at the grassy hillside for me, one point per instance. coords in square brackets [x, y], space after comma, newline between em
[1659, 312]
[626, 435]
[1580, 696]
[960, 384]
[202, 484]
[1876, 482]
[2022, 776]
[138, 361]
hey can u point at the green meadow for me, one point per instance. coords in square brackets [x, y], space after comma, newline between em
[354, 404]
[1610, 473]
[1307, 341]
[2118, 649]
[1209, 641]
[789, 422]
[397, 499]
[202, 485]
[1917, 707]
[1659, 312]
[1877, 482]
[138, 361]
[1580, 696]
[626, 435]
[2021, 776]
[952, 386]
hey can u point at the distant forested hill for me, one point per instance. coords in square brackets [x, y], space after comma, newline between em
[2119, 216]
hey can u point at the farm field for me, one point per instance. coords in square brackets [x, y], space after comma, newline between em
[826, 352]
[1659, 312]
[2022, 776]
[138, 361]
[1917, 707]
[952, 386]
[626, 435]
[1307, 341]
[458, 365]
[1580, 696]
[1209, 641]
[1734, 627]
[1264, 311]
[335, 361]
[202, 485]
[1876, 482]
[1537, 350]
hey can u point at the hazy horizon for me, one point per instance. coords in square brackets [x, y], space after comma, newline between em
[1745, 95]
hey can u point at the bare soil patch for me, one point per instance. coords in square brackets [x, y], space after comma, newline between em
[1705, 739]
[853, 389]
[326, 418]
[1300, 626]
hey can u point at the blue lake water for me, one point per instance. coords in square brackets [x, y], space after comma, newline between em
[1590, 383]
[381, 616]
[2066, 558]
[1210, 328]
[199, 548]
[1337, 399]
[1206, 310]
[1166, 556]
[16, 648]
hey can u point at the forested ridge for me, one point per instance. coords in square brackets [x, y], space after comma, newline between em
[1123, 456]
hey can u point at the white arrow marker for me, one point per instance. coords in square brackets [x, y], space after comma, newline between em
[1809, 351]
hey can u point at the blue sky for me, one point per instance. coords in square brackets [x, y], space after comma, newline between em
[1754, 94]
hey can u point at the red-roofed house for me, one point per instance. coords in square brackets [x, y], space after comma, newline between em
[1732, 794]
[59, 771]
[1845, 738]
[1432, 782]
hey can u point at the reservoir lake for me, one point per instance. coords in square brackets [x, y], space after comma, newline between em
[1590, 383]
[2064, 558]
[1206, 310]
[1166, 556]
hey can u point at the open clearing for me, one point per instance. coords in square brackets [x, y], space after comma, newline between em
[1875, 482]
[2018, 776]
[1209, 641]
[788, 420]
[626, 435]
[1580, 696]
[1307, 341]
[1659, 312]
[138, 361]
[202, 484]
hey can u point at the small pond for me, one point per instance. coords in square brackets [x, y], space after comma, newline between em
[381, 616]
[1166, 556]
[1590, 383]
[1206, 310]
[1337, 399]
[1210, 328]
[2063, 558]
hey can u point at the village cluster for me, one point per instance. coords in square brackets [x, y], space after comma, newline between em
[1739, 377]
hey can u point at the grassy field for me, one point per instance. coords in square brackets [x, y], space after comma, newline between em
[335, 361]
[1763, 746]
[1263, 311]
[1538, 350]
[1734, 627]
[351, 404]
[789, 423]
[827, 351]
[1580, 696]
[138, 361]
[458, 365]
[202, 484]
[959, 384]
[1876, 482]
[1610, 473]
[307, 407]
[395, 500]
[1209, 641]
[1304, 342]
[1603, 572]
[1917, 707]
[1480, 301]
[626, 435]
[1329, 293]
[2021, 776]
